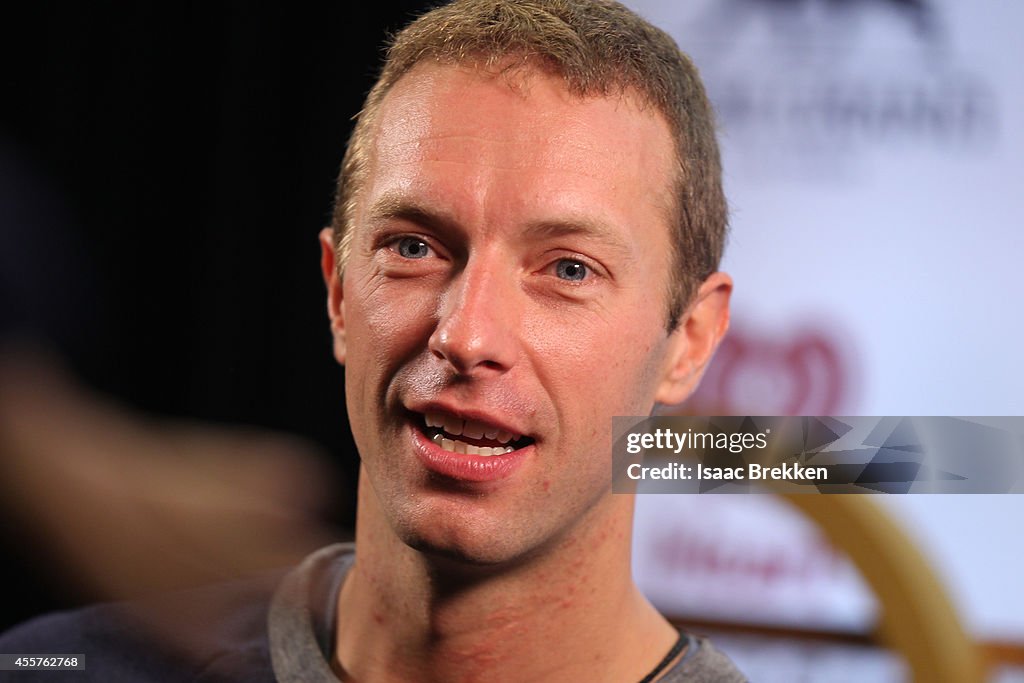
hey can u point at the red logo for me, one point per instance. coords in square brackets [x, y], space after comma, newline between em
[751, 374]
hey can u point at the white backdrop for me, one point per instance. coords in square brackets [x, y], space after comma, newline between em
[874, 156]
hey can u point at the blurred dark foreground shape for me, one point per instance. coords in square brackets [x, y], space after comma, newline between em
[117, 506]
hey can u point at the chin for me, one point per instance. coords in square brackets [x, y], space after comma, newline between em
[457, 555]
[460, 547]
[463, 545]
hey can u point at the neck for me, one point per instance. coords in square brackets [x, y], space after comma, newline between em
[570, 613]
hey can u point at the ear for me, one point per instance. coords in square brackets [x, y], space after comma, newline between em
[335, 292]
[695, 339]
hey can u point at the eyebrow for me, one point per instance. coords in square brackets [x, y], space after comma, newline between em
[580, 226]
[394, 205]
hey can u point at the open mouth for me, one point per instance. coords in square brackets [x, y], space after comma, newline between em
[469, 437]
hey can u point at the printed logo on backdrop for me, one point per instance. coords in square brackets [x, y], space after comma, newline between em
[806, 372]
[810, 87]
[750, 560]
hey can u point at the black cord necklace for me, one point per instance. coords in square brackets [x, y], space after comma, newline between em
[681, 642]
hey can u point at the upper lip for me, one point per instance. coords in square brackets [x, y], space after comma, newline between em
[464, 413]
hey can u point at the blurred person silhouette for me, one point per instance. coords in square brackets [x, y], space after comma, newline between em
[525, 243]
[102, 500]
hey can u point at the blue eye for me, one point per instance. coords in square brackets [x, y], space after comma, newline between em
[412, 247]
[568, 269]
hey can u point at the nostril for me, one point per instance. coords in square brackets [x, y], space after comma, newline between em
[471, 349]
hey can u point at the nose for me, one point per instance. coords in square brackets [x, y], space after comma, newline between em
[478, 319]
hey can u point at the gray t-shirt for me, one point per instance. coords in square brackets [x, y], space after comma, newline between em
[303, 614]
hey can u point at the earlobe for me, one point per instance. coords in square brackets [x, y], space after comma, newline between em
[693, 343]
[335, 292]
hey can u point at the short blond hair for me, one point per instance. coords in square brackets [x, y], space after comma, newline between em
[599, 48]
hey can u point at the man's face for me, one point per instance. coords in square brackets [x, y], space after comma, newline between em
[506, 290]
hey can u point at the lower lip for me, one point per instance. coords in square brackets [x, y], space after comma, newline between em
[466, 467]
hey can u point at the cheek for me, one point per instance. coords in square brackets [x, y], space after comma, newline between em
[387, 321]
[601, 368]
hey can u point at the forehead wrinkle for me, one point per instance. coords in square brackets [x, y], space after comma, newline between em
[414, 132]
[486, 151]
[491, 150]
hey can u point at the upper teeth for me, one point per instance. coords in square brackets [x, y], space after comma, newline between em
[457, 446]
[470, 428]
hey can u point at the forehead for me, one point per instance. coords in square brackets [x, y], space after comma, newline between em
[520, 140]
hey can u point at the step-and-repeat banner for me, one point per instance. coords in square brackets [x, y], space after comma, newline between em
[874, 160]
